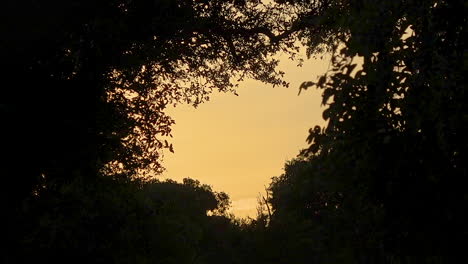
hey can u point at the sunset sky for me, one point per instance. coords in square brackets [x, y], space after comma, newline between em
[237, 143]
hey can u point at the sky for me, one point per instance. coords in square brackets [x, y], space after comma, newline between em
[237, 144]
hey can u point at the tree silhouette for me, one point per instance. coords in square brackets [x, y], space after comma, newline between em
[90, 80]
[85, 85]
[126, 222]
[393, 150]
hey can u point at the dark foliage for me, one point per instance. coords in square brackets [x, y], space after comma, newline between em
[113, 221]
[384, 181]
[85, 85]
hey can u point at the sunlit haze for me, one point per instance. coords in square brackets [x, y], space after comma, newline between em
[237, 144]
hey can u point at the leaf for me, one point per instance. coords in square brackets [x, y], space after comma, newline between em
[350, 68]
[327, 93]
[322, 81]
[305, 86]
[326, 114]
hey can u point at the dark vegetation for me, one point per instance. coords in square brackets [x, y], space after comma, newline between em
[84, 88]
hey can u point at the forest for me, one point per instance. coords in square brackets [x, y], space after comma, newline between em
[83, 130]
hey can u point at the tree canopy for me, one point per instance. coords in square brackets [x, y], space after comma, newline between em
[384, 177]
[86, 84]
[89, 81]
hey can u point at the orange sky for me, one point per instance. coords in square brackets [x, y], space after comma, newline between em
[237, 143]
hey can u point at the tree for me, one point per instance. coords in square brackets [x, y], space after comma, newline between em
[393, 148]
[123, 221]
[90, 80]
[382, 182]
[86, 84]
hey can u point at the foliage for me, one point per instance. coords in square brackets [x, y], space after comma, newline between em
[384, 175]
[88, 82]
[383, 182]
[123, 222]
[91, 80]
